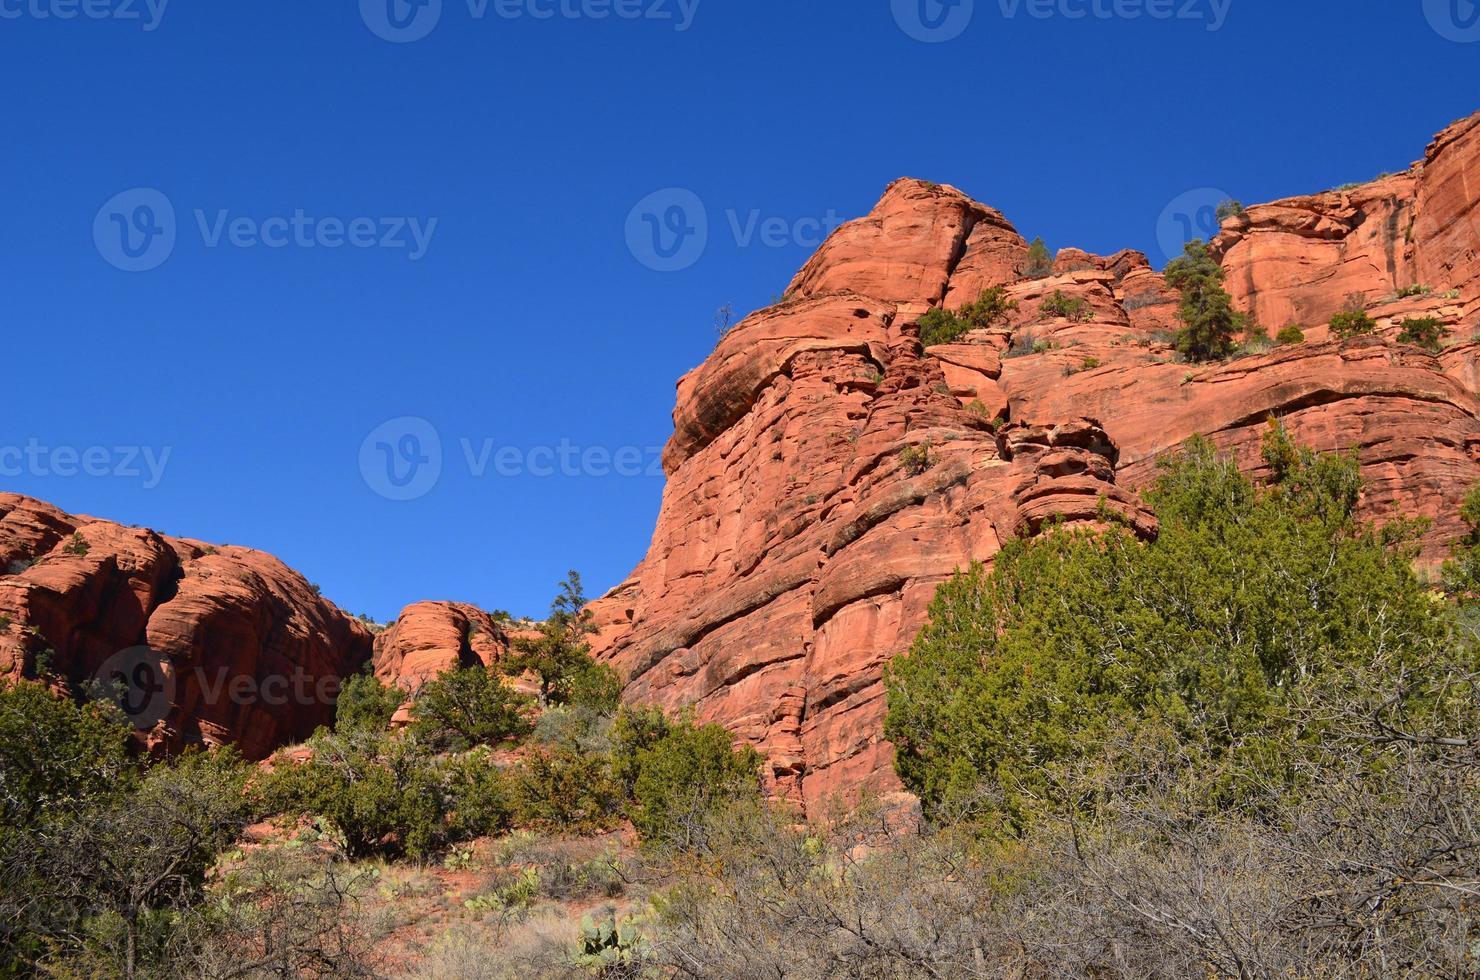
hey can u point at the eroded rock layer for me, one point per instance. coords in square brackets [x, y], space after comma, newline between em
[826, 473]
[252, 654]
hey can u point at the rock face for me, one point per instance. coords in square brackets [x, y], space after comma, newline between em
[249, 652]
[430, 637]
[826, 474]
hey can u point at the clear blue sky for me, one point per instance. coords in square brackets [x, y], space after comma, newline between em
[533, 316]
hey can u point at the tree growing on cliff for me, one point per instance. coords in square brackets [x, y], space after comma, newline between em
[1040, 261]
[560, 657]
[1209, 321]
[941, 326]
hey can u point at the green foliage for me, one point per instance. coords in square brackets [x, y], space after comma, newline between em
[1060, 304]
[1249, 601]
[940, 326]
[481, 796]
[1462, 571]
[1417, 289]
[56, 757]
[1352, 323]
[676, 771]
[1425, 331]
[1290, 334]
[1229, 209]
[77, 545]
[1040, 262]
[464, 707]
[382, 795]
[1209, 321]
[560, 657]
[365, 704]
[916, 459]
[609, 948]
[96, 884]
[565, 791]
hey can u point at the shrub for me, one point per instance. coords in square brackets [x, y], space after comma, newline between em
[471, 706]
[1023, 344]
[1462, 571]
[941, 326]
[565, 791]
[1352, 323]
[1290, 334]
[77, 545]
[1040, 262]
[1256, 338]
[366, 704]
[1059, 304]
[56, 756]
[481, 796]
[1209, 321]
[1199, 633]
[383, 795]
[678, 771]
[916, 459]
[1424, 331]
[560, 657]
[100, 883]
[1417, 289]
[1229, 209]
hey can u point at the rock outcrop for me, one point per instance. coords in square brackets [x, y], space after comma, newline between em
[826, 473]
[244, 650]
[431, 637]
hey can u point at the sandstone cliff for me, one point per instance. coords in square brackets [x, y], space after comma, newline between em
[250, 653]
[826, 474]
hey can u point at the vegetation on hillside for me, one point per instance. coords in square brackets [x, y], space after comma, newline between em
[1209, 321]
[942, 326]
[1243, 748]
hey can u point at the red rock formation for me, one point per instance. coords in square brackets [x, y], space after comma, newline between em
[1301, 259]
[826, 474]
[430, 637]
[252, 655]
